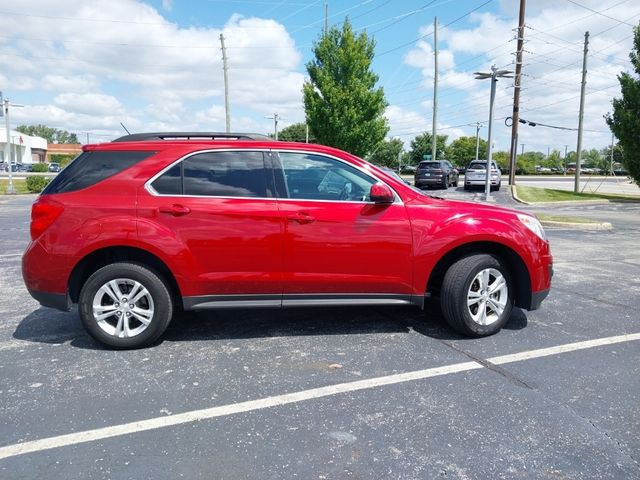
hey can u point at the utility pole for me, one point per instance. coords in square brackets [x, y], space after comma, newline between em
[516, 95]
[87, 137]
[7, 147]
[435, 89]
[326, 16]
[225, 69]
[612, 174]
[306, 134]
[576, 185]
[477, 139]
[565, 160]
[275, 117]
[548, 151]
[522, 147]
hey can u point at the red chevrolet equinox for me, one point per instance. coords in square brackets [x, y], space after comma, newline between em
[150, 224]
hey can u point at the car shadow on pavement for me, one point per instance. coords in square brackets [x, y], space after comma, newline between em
[49, 326]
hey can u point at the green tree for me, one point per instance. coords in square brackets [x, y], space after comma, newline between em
[501, 158]
[617, 157]
[296, 132]
[624, 122]
[462, 150]
[343, 107]
[421, 145]
[592, 158]
[387, 152]
[51, 135]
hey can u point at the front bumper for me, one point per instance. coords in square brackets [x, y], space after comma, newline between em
[538, 297]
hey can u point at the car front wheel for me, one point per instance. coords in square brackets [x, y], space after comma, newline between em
[477, 295]
[125, 305]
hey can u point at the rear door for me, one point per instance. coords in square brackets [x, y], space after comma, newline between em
[337, 244]
[221, 212]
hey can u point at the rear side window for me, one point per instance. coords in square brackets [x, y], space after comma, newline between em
[216, 174]
[89, 168]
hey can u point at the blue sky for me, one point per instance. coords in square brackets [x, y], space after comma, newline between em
[156, 65]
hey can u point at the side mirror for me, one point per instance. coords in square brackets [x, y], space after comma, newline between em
[381, 193]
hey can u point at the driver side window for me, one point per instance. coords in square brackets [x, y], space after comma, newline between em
[315, 177]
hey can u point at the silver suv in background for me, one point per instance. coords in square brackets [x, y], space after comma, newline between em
[476, 174]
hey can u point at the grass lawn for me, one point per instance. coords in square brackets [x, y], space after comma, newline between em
[534, 194]
[19, 185]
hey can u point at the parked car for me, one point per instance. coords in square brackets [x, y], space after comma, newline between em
[476, 175]
[54, 167]
[150, 224]
[438, 173]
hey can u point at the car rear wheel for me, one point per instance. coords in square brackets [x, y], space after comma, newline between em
[477, 295]
[125, 305]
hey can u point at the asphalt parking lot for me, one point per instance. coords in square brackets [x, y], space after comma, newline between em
[388, 393]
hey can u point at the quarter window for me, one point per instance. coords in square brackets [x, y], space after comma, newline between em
[315, 177]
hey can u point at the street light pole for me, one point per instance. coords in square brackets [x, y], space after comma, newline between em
[494, 75]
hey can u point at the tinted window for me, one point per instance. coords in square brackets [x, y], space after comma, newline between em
[89, 168]
[314, 177]
[481, 165]
[429, 165]
[225, 174]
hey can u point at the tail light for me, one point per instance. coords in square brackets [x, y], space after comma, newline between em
[43, 214]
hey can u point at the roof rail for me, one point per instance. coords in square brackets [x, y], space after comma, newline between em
[141, 137]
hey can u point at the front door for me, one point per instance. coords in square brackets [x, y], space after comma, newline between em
[336, 242]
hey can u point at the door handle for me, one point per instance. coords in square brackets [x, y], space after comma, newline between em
[301, 218]
[175, 210]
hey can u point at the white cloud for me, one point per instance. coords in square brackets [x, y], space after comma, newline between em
[167, 5]
[89, 103]
[102, 55]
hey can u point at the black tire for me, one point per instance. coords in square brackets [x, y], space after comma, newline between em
[457, 286]
[157, 300]
[467, 187]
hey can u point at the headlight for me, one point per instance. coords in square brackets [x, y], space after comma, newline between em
[533, 224]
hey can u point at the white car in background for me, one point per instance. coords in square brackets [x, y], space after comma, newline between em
[476, 174]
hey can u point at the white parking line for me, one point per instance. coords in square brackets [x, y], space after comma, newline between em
[295, 397]
[7, 255]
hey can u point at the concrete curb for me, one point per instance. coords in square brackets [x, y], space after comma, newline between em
[577, 226]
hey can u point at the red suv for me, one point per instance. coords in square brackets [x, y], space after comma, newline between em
[150, 224]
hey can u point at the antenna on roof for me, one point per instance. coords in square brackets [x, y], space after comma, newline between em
[125, 128]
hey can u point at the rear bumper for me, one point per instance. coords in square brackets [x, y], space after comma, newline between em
[422, 181]
[472, 183]
[59, 301]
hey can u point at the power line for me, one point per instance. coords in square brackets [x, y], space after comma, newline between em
[599, 13]
[431, 33]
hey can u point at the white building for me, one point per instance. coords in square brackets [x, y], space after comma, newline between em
[24, 148]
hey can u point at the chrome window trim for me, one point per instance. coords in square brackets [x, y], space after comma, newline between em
[397, 200]
[149, 188]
